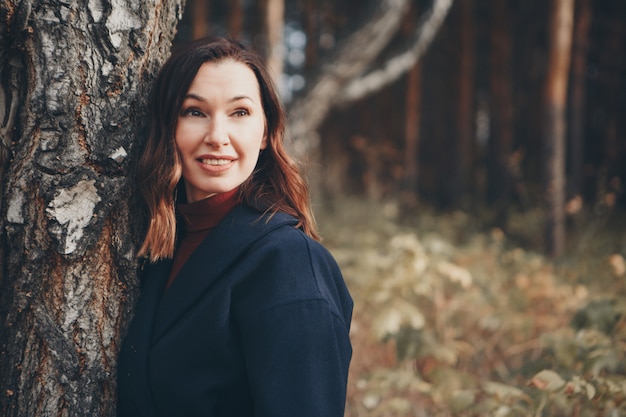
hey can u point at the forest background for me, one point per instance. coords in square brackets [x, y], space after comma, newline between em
[467, 159]
[437, 197]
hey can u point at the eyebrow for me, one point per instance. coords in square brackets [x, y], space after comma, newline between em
[232, 100]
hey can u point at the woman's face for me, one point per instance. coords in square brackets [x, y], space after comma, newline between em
[220, 129]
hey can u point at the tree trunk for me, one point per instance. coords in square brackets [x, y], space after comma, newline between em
[342, 76]
[554, 141]
[612, 62]
[501, 86]
[578, 96]
[411, 137]
[75, 77]
[274, 25]
[377, 78]
[311, 30]
[412, 130]
[235, 18]
[466, 108]
[347, 62]
[199, 18]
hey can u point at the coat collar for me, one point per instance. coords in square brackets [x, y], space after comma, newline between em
[229, 240]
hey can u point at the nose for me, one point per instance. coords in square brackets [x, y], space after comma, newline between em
[217, 133]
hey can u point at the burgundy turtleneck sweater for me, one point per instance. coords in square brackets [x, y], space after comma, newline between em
[200, 218]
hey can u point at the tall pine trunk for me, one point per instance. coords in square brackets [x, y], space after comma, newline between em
[274, 26]
[578, 96]
[411, 136]
[75, 77]
[412, 123]
[235, 18]
[554, 136]
[501, 88]
[612, 80]
[466, 107]
[200, 18]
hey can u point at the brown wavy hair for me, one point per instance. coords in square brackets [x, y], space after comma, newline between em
[276, 184]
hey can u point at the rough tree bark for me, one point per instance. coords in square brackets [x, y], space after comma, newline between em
[561, 25]
[74, 80]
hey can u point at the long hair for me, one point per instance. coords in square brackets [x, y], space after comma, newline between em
[275, 184]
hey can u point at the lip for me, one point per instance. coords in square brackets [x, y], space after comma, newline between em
[222, 163]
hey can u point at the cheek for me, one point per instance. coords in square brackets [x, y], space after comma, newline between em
[182, 138]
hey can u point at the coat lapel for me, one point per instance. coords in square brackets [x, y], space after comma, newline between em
[224, 245]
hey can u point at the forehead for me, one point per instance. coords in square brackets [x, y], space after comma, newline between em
[229, 75]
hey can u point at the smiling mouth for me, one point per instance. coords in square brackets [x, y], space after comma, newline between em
[216, 162]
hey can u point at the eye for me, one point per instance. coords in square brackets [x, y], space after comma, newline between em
[241, 112]
[193, 112]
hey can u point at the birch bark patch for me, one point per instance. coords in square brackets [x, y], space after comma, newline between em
[73, 208]
[96, 9]
[121, 19]
[14, 211]
[119, 154]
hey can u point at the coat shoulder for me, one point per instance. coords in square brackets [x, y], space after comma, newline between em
[292, 267]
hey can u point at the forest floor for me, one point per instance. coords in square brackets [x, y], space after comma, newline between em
[453, 317]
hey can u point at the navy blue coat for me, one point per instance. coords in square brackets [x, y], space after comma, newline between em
[255, 324]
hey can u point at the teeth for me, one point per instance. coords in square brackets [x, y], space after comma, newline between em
[215, 161]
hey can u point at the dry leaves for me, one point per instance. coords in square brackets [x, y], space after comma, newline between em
[469, 324]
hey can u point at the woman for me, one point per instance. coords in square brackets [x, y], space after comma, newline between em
[242, 312]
